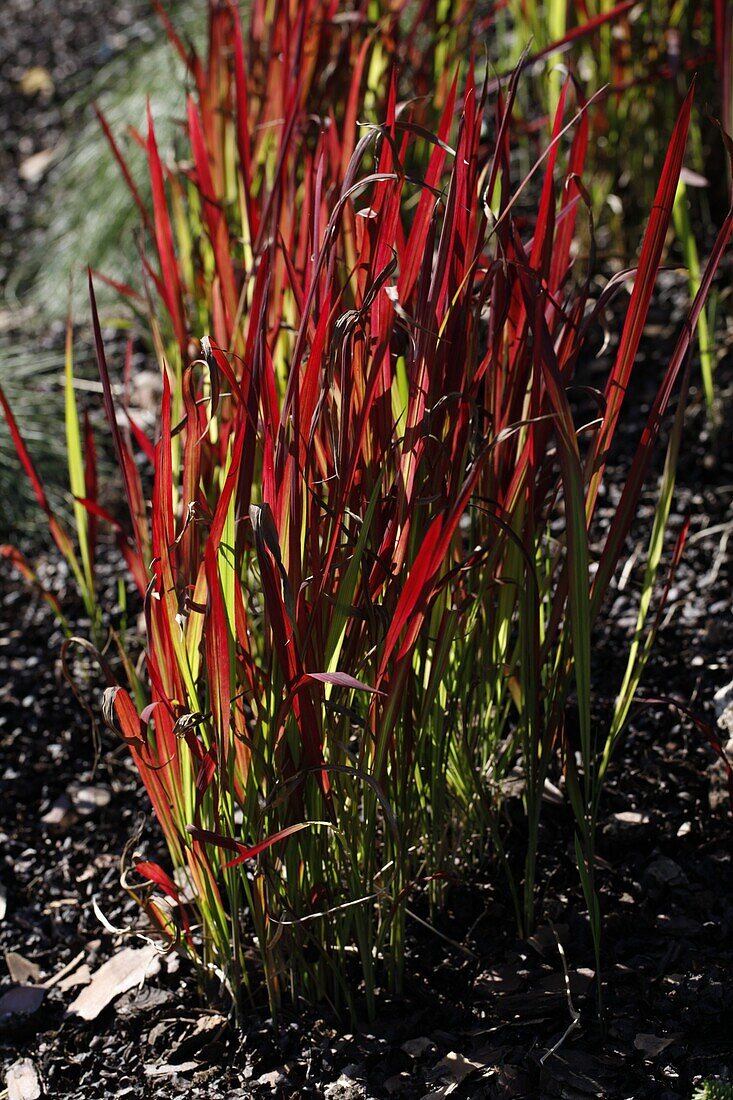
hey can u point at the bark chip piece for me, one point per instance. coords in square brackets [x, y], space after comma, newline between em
[22, 1081]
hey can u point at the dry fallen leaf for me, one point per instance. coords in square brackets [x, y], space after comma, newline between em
[21, 970]
[22, 1081]
[21, 1000]
[653, 1045]
[723, 702]
[452, 1070]
[69, 968]
[718, 792]
[545, 939]
[130, 967]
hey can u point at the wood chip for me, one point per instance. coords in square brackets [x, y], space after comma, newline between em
[631, 818]
[61, 815]
[81, 976]
[663, 871]
[129, 968]
[22, 1081]
[397, 1084]
[166, 1069]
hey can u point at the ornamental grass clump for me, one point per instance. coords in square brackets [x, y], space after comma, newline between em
[636, 57]
[365, 559]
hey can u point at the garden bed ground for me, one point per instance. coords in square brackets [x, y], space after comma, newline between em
[474, 1022]
[481, 1021]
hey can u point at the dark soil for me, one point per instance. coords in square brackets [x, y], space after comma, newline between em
[474, 1023]
[482, 1022]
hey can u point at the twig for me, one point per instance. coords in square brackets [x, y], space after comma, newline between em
[70, 966]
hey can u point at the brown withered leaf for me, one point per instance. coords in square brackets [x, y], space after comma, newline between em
[21, 1000]
[127, 969]
[20, 969]
[653, 1045]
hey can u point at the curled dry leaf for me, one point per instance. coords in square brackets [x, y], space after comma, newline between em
[129, 968]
